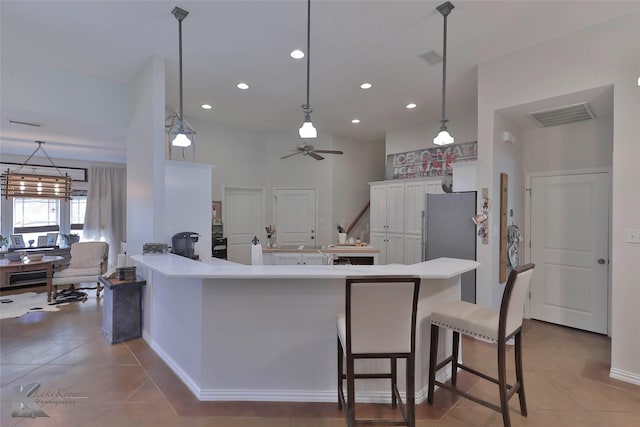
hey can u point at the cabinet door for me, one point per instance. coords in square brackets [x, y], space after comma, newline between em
[379, 241]
[378, 208]
[395, 248]
[395, 208]
[286, 259]
[433, 187]
[312, 259]
[413, 207]
[412, 249]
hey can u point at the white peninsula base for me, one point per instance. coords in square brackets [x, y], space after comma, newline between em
[268, 333]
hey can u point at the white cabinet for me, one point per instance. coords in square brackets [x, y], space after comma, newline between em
[412, 249]
[391, 247]
[387, 208]
[396, 218]
[300, 259]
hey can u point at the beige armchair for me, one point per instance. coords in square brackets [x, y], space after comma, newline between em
[88, 262]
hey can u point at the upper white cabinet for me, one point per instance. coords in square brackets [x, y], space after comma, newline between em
[387, 208]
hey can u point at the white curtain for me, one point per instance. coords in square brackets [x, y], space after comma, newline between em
[106, 214]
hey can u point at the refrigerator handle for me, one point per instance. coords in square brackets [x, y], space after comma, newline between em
[423, 240]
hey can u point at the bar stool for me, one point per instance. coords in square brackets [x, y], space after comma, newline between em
[486, 323]
[379, 323]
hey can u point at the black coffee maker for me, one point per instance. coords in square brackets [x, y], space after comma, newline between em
[183, 244]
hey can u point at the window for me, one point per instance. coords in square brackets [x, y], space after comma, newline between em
[78, 207]
[35, 217]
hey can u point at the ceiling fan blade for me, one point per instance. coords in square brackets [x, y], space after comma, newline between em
[289, 155]
[315, 156]
[329, 151]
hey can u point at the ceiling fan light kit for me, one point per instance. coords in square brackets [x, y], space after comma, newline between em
[444, 137]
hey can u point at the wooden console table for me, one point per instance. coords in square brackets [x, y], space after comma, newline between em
[7, 268]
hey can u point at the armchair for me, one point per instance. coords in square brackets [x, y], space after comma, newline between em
[88, 262]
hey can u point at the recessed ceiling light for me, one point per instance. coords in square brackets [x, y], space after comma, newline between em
[365, 86]
[411, 105]
[243, 86]
[206, 107]
[297, 54]
[355, 121]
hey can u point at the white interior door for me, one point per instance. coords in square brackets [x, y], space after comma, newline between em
[243, 217]
[295, 216]
[570, 247]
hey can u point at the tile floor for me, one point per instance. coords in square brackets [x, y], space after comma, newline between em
[93, 383]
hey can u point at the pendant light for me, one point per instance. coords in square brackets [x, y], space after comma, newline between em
[180, 132]
[444, 138]
[307, 130]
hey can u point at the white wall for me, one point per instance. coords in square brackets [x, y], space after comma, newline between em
[145, 158]
[581, 145]
[546, 71]
[361, 163]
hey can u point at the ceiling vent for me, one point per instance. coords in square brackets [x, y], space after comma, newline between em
[563, 115]
[17, 122]
[432, 57]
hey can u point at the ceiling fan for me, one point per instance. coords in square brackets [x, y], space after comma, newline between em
[309, 150]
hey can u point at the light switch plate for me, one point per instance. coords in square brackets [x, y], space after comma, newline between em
[633, 235]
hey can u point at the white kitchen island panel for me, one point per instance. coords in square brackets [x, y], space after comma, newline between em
[268, 333]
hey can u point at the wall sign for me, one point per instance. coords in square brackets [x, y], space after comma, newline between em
[429, 161]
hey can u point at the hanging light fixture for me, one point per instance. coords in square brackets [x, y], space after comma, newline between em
[31, 185]
[307, 130]
[180, 133]
[444, 138]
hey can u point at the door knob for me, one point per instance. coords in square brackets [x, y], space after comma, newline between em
[601, 261]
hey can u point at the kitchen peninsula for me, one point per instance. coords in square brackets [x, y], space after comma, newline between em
[236, 332]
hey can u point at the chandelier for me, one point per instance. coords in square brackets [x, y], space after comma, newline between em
[444, 137]
[31, 185]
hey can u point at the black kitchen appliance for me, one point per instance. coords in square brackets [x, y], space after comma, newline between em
[183, 244]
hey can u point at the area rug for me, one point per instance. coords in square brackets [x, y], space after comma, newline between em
[20, 304]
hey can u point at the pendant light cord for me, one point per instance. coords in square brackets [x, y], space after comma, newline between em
[180, 68]
[307, 106]
[444, 71]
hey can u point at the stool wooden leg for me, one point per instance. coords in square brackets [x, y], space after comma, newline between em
[454, 358]
[433, 356]
[411, 390]
[340, 373]
[502, 382]
[351, 393]
[394, 381]
[519, 379]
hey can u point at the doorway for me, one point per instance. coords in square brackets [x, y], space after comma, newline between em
[243, 218]
[569, 241]
[295, 216]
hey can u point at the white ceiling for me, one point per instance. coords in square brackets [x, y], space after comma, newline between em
[225, 42]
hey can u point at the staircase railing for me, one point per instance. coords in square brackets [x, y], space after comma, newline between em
[358, 218]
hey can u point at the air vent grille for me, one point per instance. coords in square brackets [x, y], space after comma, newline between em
[563, 115]
[432, 57]
[18, 122]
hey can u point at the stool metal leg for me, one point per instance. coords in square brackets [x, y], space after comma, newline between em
[340, 374]
[394, 381]
[411, 390]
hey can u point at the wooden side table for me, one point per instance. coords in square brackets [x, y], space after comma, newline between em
[122, 309]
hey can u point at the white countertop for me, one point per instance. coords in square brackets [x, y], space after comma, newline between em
[176, 266]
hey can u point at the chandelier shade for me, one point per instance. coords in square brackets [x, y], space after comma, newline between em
[20, 184]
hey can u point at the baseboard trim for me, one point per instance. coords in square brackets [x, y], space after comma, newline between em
[246, 395]
[621, 375]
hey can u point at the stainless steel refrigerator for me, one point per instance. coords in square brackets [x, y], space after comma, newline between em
[448, 231]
